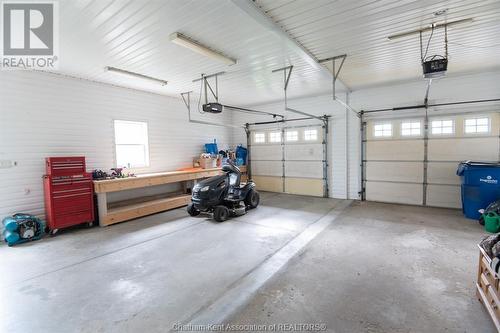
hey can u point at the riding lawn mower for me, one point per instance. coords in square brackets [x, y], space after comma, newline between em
[224, 195]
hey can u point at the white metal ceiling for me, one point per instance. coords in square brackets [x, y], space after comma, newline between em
[133, 35]
[360, 29]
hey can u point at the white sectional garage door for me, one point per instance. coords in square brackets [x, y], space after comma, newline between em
[288, 160]
[399, 168]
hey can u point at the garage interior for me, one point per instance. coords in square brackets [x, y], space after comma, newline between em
[249, 165]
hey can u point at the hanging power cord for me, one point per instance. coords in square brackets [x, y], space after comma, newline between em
[199, 97]
[428, 43]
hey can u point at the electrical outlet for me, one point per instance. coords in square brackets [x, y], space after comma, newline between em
[5, 164]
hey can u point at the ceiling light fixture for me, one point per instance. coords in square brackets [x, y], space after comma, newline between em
[180, 39]
[429, 28]
[136, 75]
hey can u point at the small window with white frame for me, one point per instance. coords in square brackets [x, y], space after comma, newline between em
[382, 130]
[259, 137]
[292, 136]
[442, 127]
[411, 128]
[275, 137]
[131, 144]
[477, 125]
[311, 134]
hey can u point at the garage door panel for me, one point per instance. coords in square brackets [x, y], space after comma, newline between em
[395, 171]
[304, 186]
[267, 168]
[266, 152]
[266, 183]
[394, 192]
[303, 169]
[304, 152]
[394, 167]
[302, 166]
[444, 196]
[442, 173]
[412, 150]
[460, 149]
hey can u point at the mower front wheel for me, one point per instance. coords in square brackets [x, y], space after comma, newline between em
[221, 213]
[252, 199]
[191, 209]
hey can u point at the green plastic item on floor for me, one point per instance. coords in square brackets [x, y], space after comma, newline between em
[492, 222]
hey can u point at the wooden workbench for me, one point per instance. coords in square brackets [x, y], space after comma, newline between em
[134, 208]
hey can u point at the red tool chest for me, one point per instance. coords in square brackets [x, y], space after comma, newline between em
[69, 193]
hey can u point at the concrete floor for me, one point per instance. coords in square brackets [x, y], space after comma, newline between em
[381, 268]
[375, 268]
[145, 274]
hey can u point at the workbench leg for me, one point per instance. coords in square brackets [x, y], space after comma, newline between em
[102, 208]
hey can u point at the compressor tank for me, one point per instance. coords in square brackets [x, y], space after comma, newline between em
[11, 237]
[9, 224]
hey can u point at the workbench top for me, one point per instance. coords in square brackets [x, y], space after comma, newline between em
[152, 175]
[152, 179]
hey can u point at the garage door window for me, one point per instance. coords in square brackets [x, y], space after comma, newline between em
[259, 138]
[292, 136]
[131, 144]
[382, 130]
[275, 137]
[477, 125]
[440, 127]
[411, 128]
[311, 135]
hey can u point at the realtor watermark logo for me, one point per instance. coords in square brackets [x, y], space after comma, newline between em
[30, 35]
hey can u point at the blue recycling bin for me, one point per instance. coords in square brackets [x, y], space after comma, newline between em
[480, 186]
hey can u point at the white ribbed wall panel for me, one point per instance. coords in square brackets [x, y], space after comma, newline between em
[449, 89]
[485, 85]
[345, 155]
[340, 154]
[45, 115]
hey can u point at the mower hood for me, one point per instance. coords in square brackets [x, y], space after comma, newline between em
[212, 182]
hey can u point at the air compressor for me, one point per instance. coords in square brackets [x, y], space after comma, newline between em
[20, 228]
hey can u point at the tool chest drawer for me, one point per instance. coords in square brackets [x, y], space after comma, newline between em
[62, 184]
[74, 203]
[69, 192]
[67, 220]
[64, 166]
[488, 288]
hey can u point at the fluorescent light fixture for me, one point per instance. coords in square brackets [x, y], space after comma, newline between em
[437, 25]
[180, 39]
[136, 75]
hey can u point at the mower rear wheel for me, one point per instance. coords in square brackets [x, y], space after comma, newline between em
[252, 199]
[221, 213]
[191, 209]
